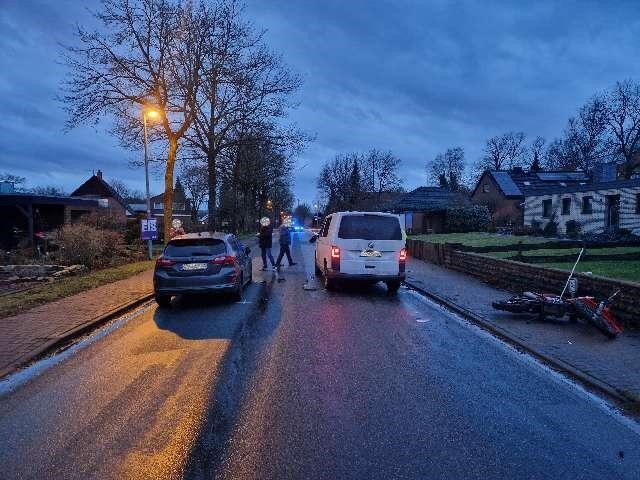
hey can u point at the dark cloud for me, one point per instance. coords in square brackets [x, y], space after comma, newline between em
[414, 77]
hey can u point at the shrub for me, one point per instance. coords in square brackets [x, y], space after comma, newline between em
[475, 218]
[506, 216]
[87, 245]
[551, 228]
[573, 229]
[536, 227]
[522, 230]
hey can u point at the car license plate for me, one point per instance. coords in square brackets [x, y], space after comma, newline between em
[194, 266]
[370, 253]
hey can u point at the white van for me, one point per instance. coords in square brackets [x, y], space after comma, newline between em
[367, 246]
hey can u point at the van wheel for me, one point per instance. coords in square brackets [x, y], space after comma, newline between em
[315, 264]
[392, 286]
[163, 301]
[329, 284]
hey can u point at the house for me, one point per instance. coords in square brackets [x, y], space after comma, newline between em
[98, 189]
[24, 214]
[598, 207]
[425, 208]
[181, 204]
[502, 190]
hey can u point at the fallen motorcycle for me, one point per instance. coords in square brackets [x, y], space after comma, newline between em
[550, 305]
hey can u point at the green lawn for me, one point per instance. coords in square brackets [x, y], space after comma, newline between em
[566, 251]
[625, 270]
[16, 302]
[478, 239]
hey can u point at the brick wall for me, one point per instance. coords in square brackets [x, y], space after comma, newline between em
[517, 276]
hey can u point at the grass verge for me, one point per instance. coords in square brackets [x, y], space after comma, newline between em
[627, 270]
[65, 287]
[477, 239]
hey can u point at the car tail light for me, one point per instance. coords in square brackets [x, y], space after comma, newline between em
[403, 260]
[162, 262]
[335, 258]
[224, 260]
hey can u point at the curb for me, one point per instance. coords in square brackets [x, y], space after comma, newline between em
[556, 364]
[66, 337]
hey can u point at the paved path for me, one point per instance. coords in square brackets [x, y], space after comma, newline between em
[26, 333]
[612, 362]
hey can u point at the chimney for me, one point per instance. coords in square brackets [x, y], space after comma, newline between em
[99, 174]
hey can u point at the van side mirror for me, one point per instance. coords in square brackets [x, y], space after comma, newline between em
[247, 250]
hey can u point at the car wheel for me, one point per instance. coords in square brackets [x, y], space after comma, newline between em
[329, 283]
[163, 301]
[237, 295]
[392, 286]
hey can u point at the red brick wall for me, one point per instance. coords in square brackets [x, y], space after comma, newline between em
[517, 276]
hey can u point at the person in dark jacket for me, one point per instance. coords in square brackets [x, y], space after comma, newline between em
[265, 241]
[285, 242]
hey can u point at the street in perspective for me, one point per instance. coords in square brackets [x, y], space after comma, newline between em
[292, 240]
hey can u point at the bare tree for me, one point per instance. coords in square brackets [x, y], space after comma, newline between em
[536, 151]
[17, 181]
[447, 168]
[380, 171]
[194, 179]
[243, 83]
[585, 142]
[148, 53]
[623, 119]
[503, 152]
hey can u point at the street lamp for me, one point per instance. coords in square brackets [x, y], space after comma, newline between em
[152, 113]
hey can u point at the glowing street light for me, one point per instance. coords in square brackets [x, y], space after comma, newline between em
[154, 114]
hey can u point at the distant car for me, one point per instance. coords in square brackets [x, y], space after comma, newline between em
[201, 263]
[297, 228]
[366, 246]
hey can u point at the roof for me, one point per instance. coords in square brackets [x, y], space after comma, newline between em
[215, 235]
[96, 186]
[21, 197]
[512, 183]
[430, 199]
[581, 187]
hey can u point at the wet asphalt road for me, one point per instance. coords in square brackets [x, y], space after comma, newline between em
[347, 384]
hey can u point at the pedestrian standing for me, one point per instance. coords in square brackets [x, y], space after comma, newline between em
[285, 242]
[265, 240]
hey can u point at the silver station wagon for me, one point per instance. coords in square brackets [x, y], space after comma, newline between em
[201, 263]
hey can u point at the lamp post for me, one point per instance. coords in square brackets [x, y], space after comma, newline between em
[152, 113]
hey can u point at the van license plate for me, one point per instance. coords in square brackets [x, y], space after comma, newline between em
[194, 266]
[370, 253]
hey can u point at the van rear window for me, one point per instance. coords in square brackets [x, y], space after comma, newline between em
[194, 247]
[370, 227]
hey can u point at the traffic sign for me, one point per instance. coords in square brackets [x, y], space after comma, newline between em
[149, 229]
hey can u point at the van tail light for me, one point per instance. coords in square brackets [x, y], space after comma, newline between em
[224, 260]
[162, 262]
[335, 258]
[403, 260]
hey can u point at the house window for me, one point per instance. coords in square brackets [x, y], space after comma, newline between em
[485, 188]
[566, 206]
[587, 206]
[546, 208]
[637, 202]
[158, 206]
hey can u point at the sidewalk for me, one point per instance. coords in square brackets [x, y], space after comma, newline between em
[23, 336]
[612, 365]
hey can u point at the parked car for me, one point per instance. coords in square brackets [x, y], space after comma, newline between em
[201, 263]
[366, 246]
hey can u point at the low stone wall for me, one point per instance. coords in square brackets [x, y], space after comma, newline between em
[517, 276]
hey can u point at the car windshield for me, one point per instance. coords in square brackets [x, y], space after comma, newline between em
[195, 247]
[370, 227]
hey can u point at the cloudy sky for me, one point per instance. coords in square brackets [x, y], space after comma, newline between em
[414, 77]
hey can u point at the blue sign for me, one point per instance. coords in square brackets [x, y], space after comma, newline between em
[149, 229]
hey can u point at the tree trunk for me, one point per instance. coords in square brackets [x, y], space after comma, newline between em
[213, 189]
[168, 187]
